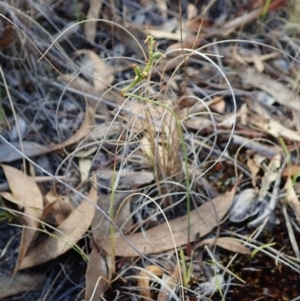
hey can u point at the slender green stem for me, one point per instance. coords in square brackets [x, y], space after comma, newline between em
[265, 10]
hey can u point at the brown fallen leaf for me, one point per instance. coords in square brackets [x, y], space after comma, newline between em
[121, 211]
[291, 171]
[66, 236]
[144, 279]
[276, 129]
[102, 72]
[82, 132]
[227, 243]
[90, 26]
[7, 35]
[296, 119]
[218, 105]
[173, 281]
[25, 190]
[292, 197]
[27, 149]
[96, 276]
[82, 85]
[254, 169]
[161, 34]
[192, 11]
[126, 178]
[9, 197]
[279, 91]
[296, 207]
[159, 239]
[129, 35]
[258, 62]
[20, 283]
[84, 169]
[99, 133]
[57, 209]
[162, 6]
[270, 176]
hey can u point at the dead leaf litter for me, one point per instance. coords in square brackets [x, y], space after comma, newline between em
[187, 139]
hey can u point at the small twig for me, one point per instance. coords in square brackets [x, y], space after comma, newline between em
[264, 150]
[5, 186]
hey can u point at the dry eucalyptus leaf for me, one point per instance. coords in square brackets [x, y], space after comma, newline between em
[291, 170]
[254, 169]
[80, 84]
[90, 26]
[254, 166]
[106, 130]
[84, 169]
[96, 276]
[198, 123]
[125, 179]
[9, 197]
[158, 239]
[144, 279]
[110, 261]
[296, 119]
[258, 62]
[270, 176]
[276, 129]
[219, 105]
[19, 283]
[7, 35]
[101, 71]
[56, 211]
[244, 206]
[25, 190]
[97, 134]
[192, 11]
[292, 197]
[280, 92]
[82, 132]
[296, 208]
[134, 41]
[171, 283]
[228, 243]
[68, 233]
[162, 6]
[100, 225]
[162, 34]
[28, 148]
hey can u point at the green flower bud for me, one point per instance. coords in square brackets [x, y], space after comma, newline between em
[156, 55]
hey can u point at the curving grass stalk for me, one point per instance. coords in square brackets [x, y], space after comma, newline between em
[144, 74]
